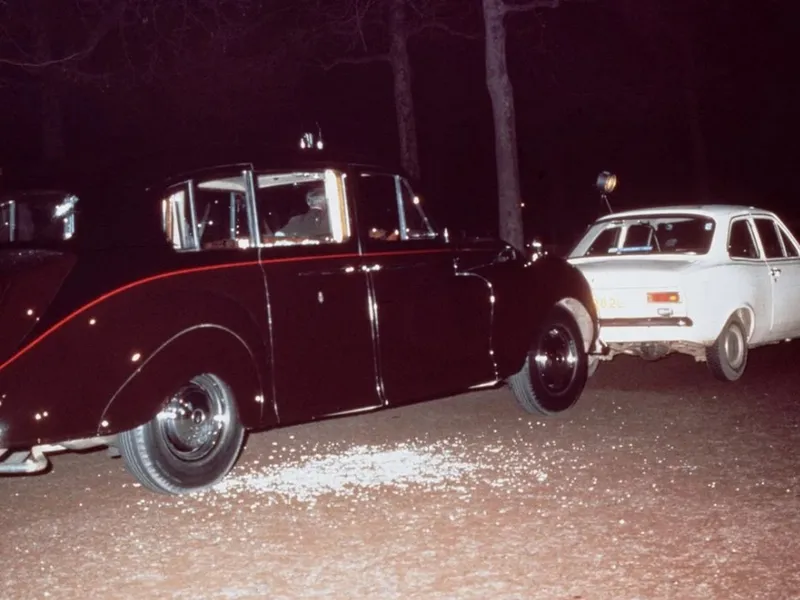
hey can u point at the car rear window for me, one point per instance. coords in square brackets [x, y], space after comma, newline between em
[665, 234]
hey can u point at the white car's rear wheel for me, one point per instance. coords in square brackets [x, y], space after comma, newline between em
[727, 356]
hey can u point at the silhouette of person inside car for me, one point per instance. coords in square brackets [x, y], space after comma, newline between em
[312, 223]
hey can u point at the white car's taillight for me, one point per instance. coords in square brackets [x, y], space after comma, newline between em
[663, 297]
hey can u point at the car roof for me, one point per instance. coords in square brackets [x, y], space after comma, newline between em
[715, 211]
[312, 163]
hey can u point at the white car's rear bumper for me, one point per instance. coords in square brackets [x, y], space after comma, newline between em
[660, 329]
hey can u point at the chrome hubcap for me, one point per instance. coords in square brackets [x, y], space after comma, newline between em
[556, 360]
[733, 344]
[193, 420]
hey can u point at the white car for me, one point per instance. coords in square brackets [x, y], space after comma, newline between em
[710, 281]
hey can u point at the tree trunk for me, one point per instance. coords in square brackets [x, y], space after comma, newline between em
[53, 146]
[505, 128]
[52, 123]
[696, 137]
[403, 97]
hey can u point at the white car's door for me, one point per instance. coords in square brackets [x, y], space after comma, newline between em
[783, 259]
[753, 284]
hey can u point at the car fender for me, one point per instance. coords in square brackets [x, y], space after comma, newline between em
[744, 311]
[547, 281]
[115, 338]
[206, 348]
[723, 292]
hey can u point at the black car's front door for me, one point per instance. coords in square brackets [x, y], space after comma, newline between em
[323, 362]
[433, 322]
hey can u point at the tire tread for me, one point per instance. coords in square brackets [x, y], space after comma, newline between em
[520, 382]
[141, 454]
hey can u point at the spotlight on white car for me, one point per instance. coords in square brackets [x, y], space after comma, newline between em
[606, 183]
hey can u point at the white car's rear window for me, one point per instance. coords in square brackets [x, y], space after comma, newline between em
[665, 234]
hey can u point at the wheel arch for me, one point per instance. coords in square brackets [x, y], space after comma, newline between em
[748, 318]
[550, 282]
[205, 348]
[586, 322]
[745, 313]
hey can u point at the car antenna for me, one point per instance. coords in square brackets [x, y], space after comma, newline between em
[606, 183]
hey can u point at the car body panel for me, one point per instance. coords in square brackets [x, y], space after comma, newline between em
[321, 328]
[29, 280]
[433, 324]
[116, 332]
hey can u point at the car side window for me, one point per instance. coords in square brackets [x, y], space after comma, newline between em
[175, 218]
[740, 240]
[301, 207]
[287, 207]
[416, 224]
[769, 238]
[221, 213]
[40, 216]
[378, 213]
[207, 214]
[790, 249]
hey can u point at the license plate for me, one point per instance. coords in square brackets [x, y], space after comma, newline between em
[608, 303]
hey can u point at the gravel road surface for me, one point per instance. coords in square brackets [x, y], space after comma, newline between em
[662, 483]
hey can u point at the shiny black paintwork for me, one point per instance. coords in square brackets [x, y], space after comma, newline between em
[104, 332]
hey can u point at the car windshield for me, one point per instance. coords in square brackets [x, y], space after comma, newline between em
[37, 217]
[657, 234]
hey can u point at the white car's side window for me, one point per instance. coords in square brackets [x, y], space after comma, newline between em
[741, 243]
[768, 234]
[789, 246]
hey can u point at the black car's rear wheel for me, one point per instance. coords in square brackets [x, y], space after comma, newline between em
[556, 367]
[191, 444]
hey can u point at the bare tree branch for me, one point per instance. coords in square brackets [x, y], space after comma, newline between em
[354, 60]
[107, 22]
[425, 27]
[509, 7]
[45, 63]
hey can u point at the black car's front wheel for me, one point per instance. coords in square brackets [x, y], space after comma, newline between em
[556, 368]
[191, 444]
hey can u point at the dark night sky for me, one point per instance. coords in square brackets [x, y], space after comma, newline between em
[594, 96]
